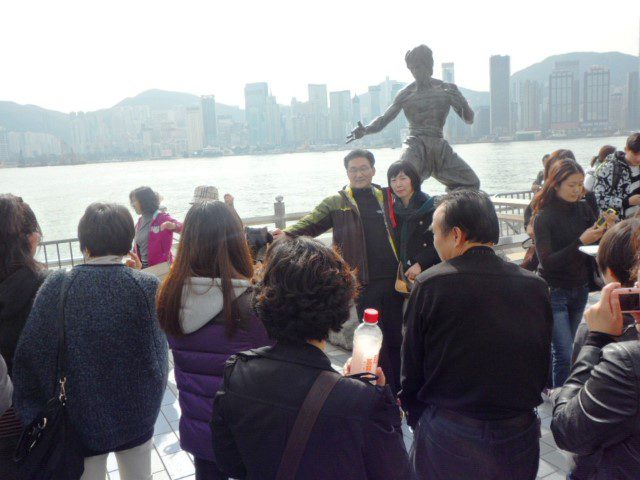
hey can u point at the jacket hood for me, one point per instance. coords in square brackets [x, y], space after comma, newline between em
[202, 301]
[17, 290]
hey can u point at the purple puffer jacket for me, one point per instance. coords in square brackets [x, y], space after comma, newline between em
[200, 357]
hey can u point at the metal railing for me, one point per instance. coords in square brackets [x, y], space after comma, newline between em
[509, 206]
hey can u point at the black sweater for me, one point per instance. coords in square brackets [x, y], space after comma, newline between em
[477, 338]
[557, 236]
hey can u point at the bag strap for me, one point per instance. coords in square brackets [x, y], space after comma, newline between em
[306, 419]
[62, 343]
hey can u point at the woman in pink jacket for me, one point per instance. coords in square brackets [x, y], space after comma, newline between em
[154, 230]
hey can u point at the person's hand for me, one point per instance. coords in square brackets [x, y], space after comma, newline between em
[357, 133]
[168, 226]
[133, 261]
[228, 199]
[277, 233]
[413, 272]
[591, 235]
[535, 188]
[610, 219]
[380, 382]
[634, 200]
[605, 316]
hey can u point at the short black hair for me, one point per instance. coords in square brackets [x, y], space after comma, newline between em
[106, 229]
[618, 250]
[359, 153]
[406, 167]
[149, 200]
[633, 142]
[306, 290]
[472, 212]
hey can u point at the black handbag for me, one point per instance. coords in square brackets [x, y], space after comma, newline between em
[50, 448]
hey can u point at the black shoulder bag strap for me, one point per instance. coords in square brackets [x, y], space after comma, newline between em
[61, 370]
[306, 419]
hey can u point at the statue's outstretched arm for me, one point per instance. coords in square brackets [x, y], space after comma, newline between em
[377, 123]
[460, 104]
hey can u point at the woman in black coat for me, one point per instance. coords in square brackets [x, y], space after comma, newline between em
[20, 278]
[306, 291]
[409, 213]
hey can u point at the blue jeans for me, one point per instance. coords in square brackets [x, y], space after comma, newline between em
[568, 307]
[444, 449]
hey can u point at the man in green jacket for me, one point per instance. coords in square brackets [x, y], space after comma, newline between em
[361, 233]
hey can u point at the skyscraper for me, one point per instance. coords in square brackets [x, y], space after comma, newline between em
[563, 106]
[448, 74]
[595, 111]
[209, 122]
[4, 147]
[617, 119]
[255, 100]
[340, 114]
[195, 131]
[500, 71]
[633, 101]
[355, 111]
[530, 103]
[274, 122]
[319, 111]
[374, 99]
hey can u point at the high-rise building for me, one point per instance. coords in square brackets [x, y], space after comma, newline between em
[274, 122]
[595, 110]
[452, 126]
[209, 121]
[319, 112]
[482, 122]
[355, 111]
[448, 74]
[500, 70]
[530, 104]
[340, 114]
[563, 105]
[375, 101]
[4, 147]
[255, 101]
[616, 111]
[195, 130]
[633, 101]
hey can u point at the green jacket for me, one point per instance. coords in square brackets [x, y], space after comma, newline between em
[340, 213]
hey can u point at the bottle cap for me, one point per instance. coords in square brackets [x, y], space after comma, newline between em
[371, 315]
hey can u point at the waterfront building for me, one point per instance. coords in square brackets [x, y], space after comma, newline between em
[374, 102]
[340, 114]
[563, 98]
[500, 73]
[255, 99]
[530, 105]
[4, 147]
[195, 130]
[595, 110]
[274, 122]
[356, 112]
[482, 122]
[633, 101]
[209, 120]
[319, 112]
[454, 127]
[617, 111]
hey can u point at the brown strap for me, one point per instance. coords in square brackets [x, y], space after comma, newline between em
[306, 419]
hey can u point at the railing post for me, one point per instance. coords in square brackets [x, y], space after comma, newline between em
[278, 209]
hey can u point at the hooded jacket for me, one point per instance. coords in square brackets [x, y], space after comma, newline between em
[160, 241]
[200, 355]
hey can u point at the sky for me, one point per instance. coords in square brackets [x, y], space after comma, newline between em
[86, 55]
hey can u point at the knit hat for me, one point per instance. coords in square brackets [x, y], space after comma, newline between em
[203, 193]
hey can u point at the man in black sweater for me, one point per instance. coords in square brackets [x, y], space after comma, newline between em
[476, 350]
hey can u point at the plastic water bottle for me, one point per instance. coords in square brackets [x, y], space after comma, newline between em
[367, 340]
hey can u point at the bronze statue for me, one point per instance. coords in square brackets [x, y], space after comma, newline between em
[426, 103]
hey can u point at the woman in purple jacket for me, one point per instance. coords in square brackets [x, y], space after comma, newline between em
[155, 227]
[204, 308]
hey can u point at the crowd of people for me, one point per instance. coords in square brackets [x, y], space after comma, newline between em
[471, 341]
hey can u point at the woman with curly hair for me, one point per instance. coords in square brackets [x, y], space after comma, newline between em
[306, 290]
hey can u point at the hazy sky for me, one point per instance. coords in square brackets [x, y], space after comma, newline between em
[87, 55]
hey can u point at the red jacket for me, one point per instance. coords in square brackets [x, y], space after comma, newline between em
[160, 242]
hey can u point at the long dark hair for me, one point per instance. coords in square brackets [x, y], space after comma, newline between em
[406, 167]
[212, 245]
[17, 222]
[149, 200]
[604, 152]
[559, 172]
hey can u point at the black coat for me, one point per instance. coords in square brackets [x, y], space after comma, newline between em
[596, 414]
[410, 227]
[357, 435]
[16, 298]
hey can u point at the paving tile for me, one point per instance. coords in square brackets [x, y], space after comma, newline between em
[114, 475]
[178, 465]
[156, 463]
[112, 463]
[555, 476]
[545, 468]
[168, 397]
[166, 443]
[161, 426]
[176, 427]
[171, 412]
[549, 440]
[545, 448]
[161, 475]
[558, 459]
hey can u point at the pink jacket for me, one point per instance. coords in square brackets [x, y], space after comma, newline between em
[160, 242]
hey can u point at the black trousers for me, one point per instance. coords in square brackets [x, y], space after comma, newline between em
[381, 295]
[208, 470]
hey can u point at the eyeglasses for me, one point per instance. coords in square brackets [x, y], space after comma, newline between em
[355, 171]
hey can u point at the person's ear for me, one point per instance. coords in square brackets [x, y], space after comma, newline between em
[458, 236]
[374, 170]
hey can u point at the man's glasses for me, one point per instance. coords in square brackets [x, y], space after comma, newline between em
[355, 171]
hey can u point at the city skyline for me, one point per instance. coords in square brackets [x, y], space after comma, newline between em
[77, 62]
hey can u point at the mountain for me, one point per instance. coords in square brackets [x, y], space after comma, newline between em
[30, 118]
[620, 64]
[165, 100]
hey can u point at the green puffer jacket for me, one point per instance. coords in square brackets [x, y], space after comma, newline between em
[340, 212]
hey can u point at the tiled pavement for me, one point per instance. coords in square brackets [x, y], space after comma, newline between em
[169, 462]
